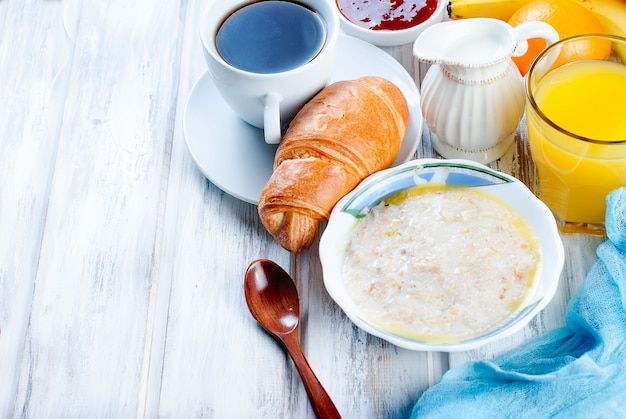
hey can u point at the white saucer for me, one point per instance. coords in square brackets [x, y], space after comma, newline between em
[233, 154]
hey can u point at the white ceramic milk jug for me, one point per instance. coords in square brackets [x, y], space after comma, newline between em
[472, 96]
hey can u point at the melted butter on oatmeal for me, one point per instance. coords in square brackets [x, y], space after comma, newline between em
[441, 264]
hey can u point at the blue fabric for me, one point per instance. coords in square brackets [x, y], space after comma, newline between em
[577, 371]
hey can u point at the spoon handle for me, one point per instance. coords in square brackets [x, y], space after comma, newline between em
[321, 402]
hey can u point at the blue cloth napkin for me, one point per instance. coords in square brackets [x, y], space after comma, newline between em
[577, 371]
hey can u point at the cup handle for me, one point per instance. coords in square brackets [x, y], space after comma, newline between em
[528, 30]
[271, 118]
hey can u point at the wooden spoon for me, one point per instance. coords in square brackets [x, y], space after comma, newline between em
[272, 298]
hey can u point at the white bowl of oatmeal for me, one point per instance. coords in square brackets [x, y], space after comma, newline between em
[441, 255]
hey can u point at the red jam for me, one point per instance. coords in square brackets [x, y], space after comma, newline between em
[387, 14]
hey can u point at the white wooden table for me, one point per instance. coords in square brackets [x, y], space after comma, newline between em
[121, 266]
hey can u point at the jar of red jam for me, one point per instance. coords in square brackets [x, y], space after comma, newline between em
[387, 14]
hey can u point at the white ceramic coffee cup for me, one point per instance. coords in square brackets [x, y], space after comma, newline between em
[268, 101]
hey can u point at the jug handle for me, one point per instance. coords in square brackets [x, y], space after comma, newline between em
[528, 30]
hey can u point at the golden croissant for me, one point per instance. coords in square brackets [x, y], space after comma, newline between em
[348, 131]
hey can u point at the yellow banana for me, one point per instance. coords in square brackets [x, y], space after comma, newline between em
[498, 9]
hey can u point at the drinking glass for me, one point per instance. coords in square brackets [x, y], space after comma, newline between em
[576, 116]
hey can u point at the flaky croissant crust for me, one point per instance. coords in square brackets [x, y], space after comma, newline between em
[348, 131]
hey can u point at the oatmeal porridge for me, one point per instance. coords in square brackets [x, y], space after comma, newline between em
[440, 264]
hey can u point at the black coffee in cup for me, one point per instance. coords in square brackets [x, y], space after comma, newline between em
[270, 36]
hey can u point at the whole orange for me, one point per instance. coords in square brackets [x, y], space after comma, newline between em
[568, 19]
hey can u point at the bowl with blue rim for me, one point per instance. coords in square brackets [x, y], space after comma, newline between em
[441, 255]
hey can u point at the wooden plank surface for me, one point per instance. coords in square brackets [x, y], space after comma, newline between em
[121, 266]
[32, 52]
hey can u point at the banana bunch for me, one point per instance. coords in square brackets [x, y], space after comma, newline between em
[612, 13]
[497, 9]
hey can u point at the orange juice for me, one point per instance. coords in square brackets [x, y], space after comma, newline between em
[577, 165]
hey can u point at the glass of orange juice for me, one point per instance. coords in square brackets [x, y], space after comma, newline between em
[576, 116]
